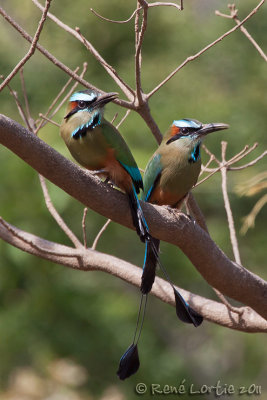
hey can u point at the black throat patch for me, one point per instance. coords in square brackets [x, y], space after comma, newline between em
[194, 156]
[80, 132]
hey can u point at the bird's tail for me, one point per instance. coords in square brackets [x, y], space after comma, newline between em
[150, 264]
[129, 362]
[183, 311]
[138, 216]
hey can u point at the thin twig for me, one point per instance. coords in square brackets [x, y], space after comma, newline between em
[243, 153]
[160, 3]
[41, 124]
[204, 167]
[237, 310]
[204, 147]
[249, 220]
[66, 97]
[234, 16]
[57, 63]
[114, 21]
[84, 227]
[23, 86]
[208, 176]
[123, 118]
[98, 236]
[139, 38]
[114, 118]
[125, 21]
[127, 90]
[239, 156]
[56, 215]
[228, 208]
[250, 164]
[19, 106]
[32, 47]
[49, 120]
[191, 58]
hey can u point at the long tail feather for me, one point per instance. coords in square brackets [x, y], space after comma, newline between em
[138, 216]
[129, 362]
[150, 264]
[183, 311]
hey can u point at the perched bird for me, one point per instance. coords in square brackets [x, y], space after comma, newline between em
[98, 146]
[171, 172]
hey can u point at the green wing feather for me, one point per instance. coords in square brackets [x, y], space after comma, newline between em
[122, 152]
[152, 172]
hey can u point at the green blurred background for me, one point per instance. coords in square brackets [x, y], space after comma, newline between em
[55, 322]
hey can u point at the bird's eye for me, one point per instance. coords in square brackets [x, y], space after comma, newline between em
[81, 104]
[184, 130]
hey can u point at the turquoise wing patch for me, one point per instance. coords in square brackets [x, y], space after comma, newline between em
[135, 175]
[153, 170]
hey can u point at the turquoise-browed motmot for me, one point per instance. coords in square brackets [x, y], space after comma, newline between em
[170, 174]
[98, 146]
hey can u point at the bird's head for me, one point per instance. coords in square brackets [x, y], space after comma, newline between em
[88, 101]
[191, 130]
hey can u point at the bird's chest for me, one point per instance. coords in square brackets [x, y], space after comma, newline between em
[90, 149]
[179, 173]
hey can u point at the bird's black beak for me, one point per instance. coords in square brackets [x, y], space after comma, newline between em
[104, 99]
[209, 128]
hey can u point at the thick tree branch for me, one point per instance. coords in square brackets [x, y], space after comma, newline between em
[89, 259]
[218, 270]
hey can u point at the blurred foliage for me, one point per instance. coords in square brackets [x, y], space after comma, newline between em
[48, 312]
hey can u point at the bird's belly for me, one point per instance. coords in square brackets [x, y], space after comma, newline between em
[90, 151]
[175, 183]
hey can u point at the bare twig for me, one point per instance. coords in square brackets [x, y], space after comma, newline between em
[155, 4]
[250, 164]
[161, 3]
[249, 220]
[32, 47]
[123, 118]
[204, 167]
[114, 21]
[139, 37]
[233, 16]
[56, 215]
[56, 99]
[237, 310]
[228, 208]
[19, 106]
[49, 120]
[84, 227]
[23, 86]
[100, 233]
[77, 34]
[204, 147]
[57, 63]
[191, 58]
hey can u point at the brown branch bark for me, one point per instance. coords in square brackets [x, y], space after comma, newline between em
[219, 271]
[89, 260]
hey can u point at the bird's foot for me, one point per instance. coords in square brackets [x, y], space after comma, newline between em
[98, 172]
[172, 210]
